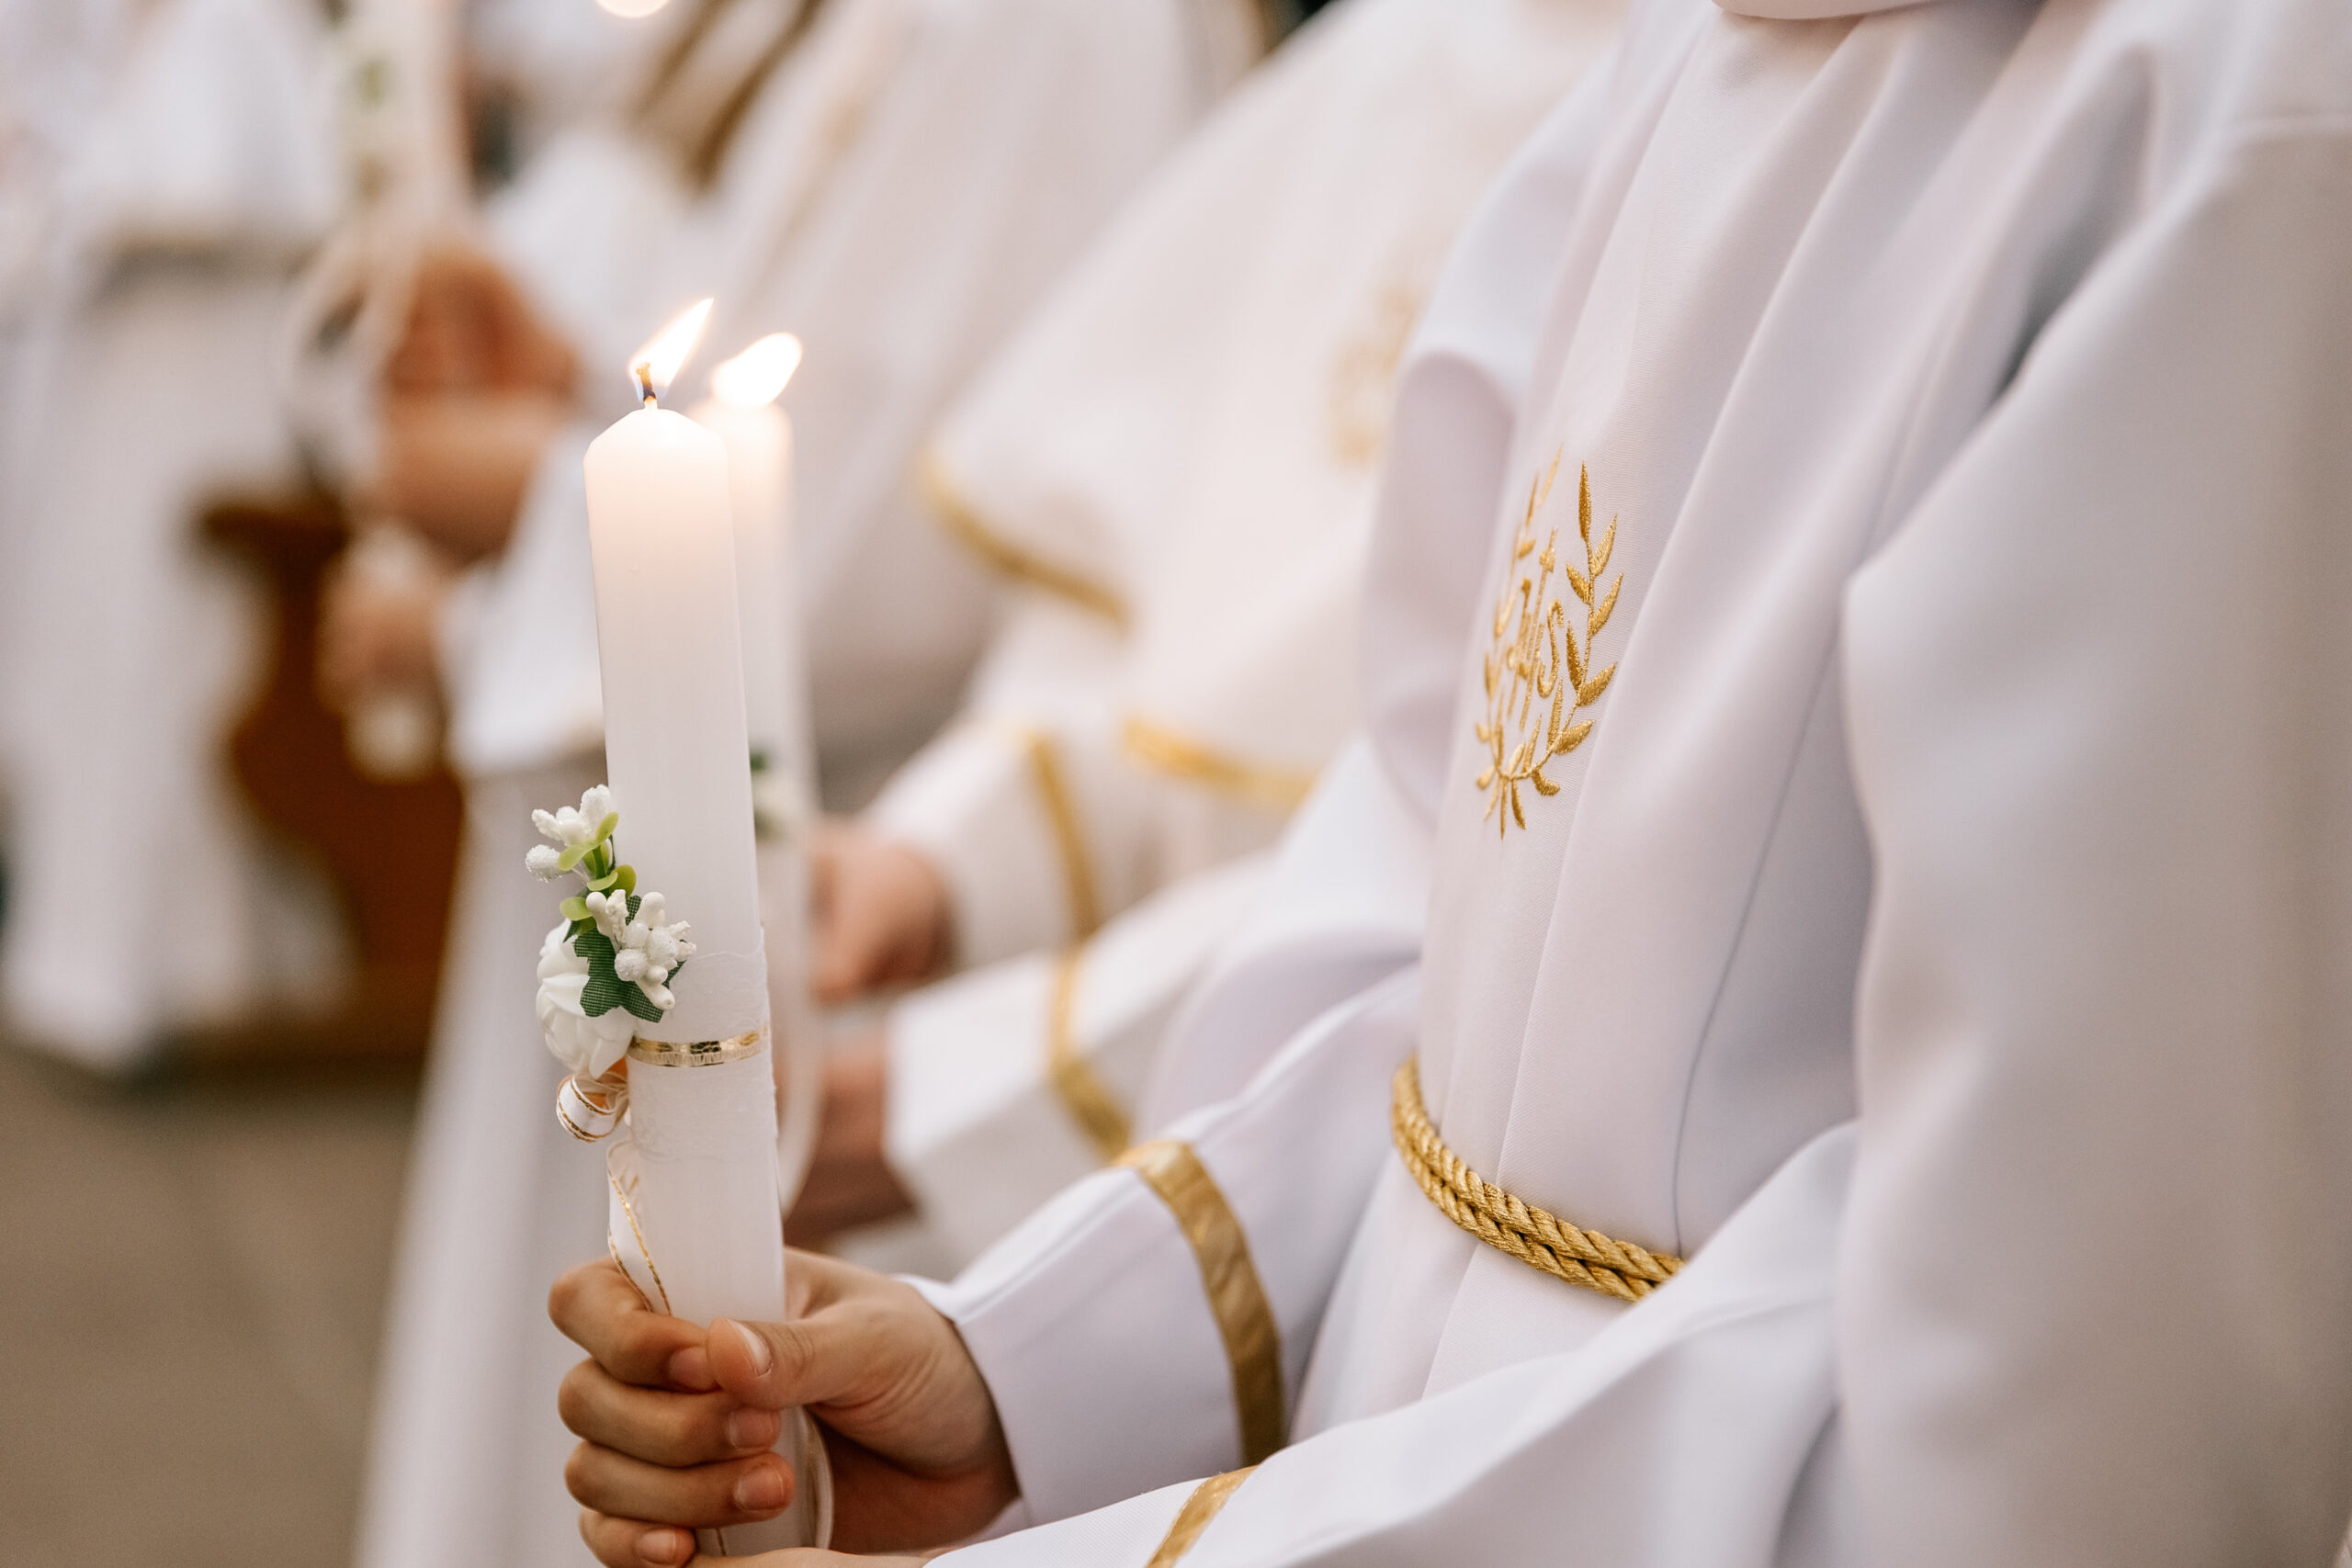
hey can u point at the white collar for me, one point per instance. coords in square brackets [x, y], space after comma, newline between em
[1810, 10]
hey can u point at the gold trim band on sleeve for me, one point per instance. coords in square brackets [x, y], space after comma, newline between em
[1535, 1237]
[1074, 1081]
[1207, 1502]
[1157, 746]
[1069, 834]
[964, 521]
[1245, 1319]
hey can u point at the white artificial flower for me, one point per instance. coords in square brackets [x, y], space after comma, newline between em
[571, 825]
[652, 908]
[629, 964]
[584, 1044]
[564, 827]
[610, 911]
[541, 862]
[657, 993]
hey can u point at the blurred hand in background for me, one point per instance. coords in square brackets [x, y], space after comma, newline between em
[850, 1181]
[474, 391]
[881, 913]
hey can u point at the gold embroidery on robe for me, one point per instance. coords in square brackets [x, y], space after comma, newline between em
[1538, 673]
[1362, 390]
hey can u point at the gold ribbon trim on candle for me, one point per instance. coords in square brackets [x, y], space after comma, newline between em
[637, 1230]
[1207, 1500]
[700, 1053]
[1245, 1320]
[1074, 1082]
[1535, 1237]
[1157, 746]
[1013, 560]
[1069, 834]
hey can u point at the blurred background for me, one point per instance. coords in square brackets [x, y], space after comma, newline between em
[227, 891]
[294, 300]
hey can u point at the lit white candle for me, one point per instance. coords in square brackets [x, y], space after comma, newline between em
[661, 525]
[695, 1218]
[758, 436]
[742, 411]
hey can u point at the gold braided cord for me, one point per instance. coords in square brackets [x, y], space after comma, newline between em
[1157, 746]
[1207, 1500]
[1069, 834]
[1074, 1082]
[1536, 1237]
[1245, 1319]
[1013, 560]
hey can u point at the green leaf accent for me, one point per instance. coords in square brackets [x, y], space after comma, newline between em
[635, 902]
[575, 908]
[604, 883]
[571, 856]
[605, 990]
[627, 876]
[604, 829]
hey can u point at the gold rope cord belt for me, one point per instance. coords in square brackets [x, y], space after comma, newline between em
[1537, 1238]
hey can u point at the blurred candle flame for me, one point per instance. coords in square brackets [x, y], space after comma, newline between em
[656, 364]
[632, 9]
[759, 374]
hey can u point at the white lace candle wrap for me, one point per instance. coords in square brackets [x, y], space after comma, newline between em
[693, 1222]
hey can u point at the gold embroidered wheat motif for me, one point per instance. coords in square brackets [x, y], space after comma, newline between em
[1539, 672]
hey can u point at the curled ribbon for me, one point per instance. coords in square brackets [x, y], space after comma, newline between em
[591, 1111]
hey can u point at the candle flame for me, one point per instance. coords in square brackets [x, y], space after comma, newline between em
[632, 9]
[655, 366]
[757, 375]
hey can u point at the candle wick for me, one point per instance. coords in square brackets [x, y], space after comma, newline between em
[644, 375]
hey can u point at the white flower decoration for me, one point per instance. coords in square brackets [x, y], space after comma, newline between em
[610, 911]
[586, 1046]
[571, 827]
[645, 950]
[542, 861]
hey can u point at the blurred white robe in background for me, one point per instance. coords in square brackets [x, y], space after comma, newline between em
[1174, 465]
[193, 163]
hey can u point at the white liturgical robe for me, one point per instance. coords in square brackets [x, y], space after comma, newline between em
[1930, 491]
[1175, 460]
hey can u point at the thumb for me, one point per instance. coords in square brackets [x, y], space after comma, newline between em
[810, 1360]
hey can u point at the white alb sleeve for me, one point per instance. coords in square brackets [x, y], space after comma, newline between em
[2096, 1304]
[1012, 1082]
